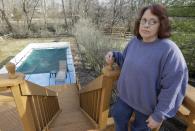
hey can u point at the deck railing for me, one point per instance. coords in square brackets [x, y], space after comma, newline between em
[95, 99]
[187, 110]
[37, 106]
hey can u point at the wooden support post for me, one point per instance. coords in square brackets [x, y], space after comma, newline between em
[109, 76]
[24, 109]
[105, 101]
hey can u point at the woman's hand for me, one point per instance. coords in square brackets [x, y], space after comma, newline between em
[152, 123]
[109, 58]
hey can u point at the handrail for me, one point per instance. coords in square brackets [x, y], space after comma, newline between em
[37, 106]
[187, 109]
[95, 96]
[93, 85]
[190, 98]
[112, 72]
[6, 82]
[34, 89]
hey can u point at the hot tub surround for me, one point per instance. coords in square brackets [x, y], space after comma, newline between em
[44, 79]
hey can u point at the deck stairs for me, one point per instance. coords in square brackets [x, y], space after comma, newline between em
[71, 118]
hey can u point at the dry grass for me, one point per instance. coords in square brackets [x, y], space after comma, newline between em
[10, 47]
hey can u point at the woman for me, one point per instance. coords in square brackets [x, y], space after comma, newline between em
[154, 74]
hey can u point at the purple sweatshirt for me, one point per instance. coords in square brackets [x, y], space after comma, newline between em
[153, 77]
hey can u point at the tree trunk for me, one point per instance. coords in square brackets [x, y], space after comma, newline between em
[4, 17]
[86, 8]
[64, 12]
[45, 13]
[70, 12]
[30, 20]
[114, 14]
[26, 12]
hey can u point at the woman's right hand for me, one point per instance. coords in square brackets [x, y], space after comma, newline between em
[109, 58]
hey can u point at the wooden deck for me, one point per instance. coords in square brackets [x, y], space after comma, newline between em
[9, 117]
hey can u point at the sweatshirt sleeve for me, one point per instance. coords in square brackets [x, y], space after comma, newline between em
[173, 83]
[120, 57]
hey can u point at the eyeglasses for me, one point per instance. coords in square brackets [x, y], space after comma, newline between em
[150, 22]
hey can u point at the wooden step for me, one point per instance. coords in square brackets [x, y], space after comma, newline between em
[71, 121]
[71, 118]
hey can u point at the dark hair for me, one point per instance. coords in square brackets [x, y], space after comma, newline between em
[159, 11]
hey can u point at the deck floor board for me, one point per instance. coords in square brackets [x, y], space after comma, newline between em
[71, 118]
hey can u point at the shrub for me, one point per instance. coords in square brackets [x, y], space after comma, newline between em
[34, 28]
[51, 28]
[183, 38]
[183, 25]
[181, 11]
[94, 45]
[186, 43]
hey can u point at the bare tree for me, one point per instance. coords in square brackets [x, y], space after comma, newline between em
[114, 13]
[4, 17]
[76, 8]
[44, 6]
[29, 7]
[64, 12]
[17, 15]
[86, 6]
[71, 12]
[97, 13]
[110, 13]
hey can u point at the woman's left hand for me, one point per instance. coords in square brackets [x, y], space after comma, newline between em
[152, 123]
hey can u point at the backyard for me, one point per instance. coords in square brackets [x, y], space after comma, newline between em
[92, 28]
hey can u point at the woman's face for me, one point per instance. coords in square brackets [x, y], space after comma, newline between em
[149, 25]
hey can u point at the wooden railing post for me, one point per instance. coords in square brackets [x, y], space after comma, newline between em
[187, 110]
[24, 109]
[109, 77]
